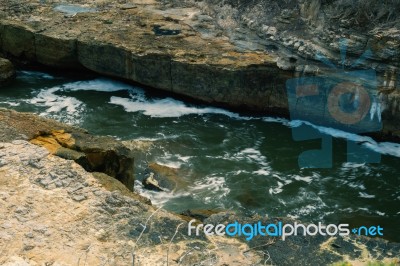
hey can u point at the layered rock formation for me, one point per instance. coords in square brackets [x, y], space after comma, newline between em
[94, 154]
[53, 212]
[56, 213]
[231, 53]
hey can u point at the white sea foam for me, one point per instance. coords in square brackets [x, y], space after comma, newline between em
[357, 185]
[282, 121]
[166, 107]
[211, 184]
[366, 195]
[169, 107]
[379, 147]
[276, 190]
[102, 84]
[175, 165]
[158, 198]
[262, 171]
[55, 103]
[252, 155]
[33, 75]
[307, 179]
[11, 103]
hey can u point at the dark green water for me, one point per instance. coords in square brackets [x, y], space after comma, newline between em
[247, 164]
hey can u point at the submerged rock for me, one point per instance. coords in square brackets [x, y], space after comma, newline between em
[164, 178]
[7, 71]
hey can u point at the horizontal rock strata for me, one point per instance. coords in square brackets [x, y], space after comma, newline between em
[190, 49]
[95, 154]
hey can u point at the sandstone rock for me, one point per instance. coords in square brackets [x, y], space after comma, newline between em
[112, 184]
[18, 41]
[95, 154]
[164, 178]
[219, 54]
[151, 183]
[7, 71]
[182, 63]
[97, 226]
[138, 145]
[57, 50]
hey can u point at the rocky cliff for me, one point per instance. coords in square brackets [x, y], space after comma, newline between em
[56, 213]
[237, 54]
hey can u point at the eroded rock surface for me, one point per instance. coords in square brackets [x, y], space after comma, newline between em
[7, 71]
[147, 42]
[236, 54]
[93, 153]
[164, 178]
[54, 212]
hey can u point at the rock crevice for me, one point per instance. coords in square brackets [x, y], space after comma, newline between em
[93, 153]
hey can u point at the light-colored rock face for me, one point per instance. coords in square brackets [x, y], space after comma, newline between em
[53, 212]
[94, 153]
[7, 71]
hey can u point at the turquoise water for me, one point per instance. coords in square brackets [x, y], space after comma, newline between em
[230, 161]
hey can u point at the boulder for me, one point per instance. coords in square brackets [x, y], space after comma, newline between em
[7, 71]
[151, 183]
[164, 178]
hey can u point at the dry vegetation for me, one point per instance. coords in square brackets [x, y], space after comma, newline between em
[364, 12]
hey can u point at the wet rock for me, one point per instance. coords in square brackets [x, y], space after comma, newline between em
[139, 145]
[199, 214]
[164, 178]
[151, 183]
[57, 51]
[18, 40]
[112, 184]
[7, 71]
